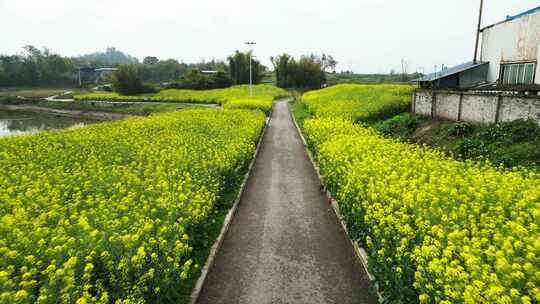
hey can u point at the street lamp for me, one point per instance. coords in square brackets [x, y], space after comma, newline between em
[250, 44]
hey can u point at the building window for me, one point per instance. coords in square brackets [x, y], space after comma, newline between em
[518, 73]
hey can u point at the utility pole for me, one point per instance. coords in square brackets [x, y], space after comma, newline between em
[250, 44]
[478, 31]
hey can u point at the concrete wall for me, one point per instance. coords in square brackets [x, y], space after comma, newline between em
[449, 109]
[476, 107]
[511, 41]
[422, 103]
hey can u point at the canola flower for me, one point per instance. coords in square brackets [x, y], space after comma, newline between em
[251, 103]
[219, 96]
[116, 212]
[359, 102]
[437, 230]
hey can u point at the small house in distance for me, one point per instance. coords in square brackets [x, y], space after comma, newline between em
[94, 76]
[508, 59]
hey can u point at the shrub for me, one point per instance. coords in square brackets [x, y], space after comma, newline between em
[471, 148]
[508, 143]
[194, 80]
[511, 132]
[401, 126]
[126, 81]
[460, 129]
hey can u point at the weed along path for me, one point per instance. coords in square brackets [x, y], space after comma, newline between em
[285, 245]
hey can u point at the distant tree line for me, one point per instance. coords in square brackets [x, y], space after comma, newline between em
[130, 78]
[35, 67]
[221, 75]
[351, 77]
[309, 72]
[195, 80]
[41, 67]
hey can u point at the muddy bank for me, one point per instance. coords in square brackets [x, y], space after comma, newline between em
[85, 114]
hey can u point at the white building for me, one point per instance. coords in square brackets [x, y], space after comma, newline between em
[512, 48]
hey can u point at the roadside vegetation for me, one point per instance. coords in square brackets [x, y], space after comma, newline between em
[508, 144]
[437, 229]
[119, 212]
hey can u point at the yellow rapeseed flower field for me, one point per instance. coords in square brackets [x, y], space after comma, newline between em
[252, 103]
[437, 230]
[116, 212]
[359, 102]
[219, 96]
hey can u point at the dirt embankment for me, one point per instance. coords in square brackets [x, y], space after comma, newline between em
[95, 115]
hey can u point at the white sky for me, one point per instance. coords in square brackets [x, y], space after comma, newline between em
[367, 36]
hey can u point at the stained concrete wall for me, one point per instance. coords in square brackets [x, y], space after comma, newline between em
[422, 103]
[449, 109]
[476, 107]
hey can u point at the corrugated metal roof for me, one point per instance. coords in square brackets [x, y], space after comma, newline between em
[510, 18]
[106, 69]
[450, 71]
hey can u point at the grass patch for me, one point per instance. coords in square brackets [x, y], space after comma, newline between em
[507, 144]
[34, 93]
[300, 112]
[400, 126]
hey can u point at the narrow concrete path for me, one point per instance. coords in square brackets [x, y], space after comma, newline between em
[285, 245]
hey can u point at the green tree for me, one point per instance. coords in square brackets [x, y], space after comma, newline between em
[193, 79]
[150, 60]
[35, 67]
[239, 68]
[308, 72]
[126, 81]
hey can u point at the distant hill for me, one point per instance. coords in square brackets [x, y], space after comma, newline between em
[110, 58]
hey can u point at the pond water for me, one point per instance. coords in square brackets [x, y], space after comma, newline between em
[18, 122]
